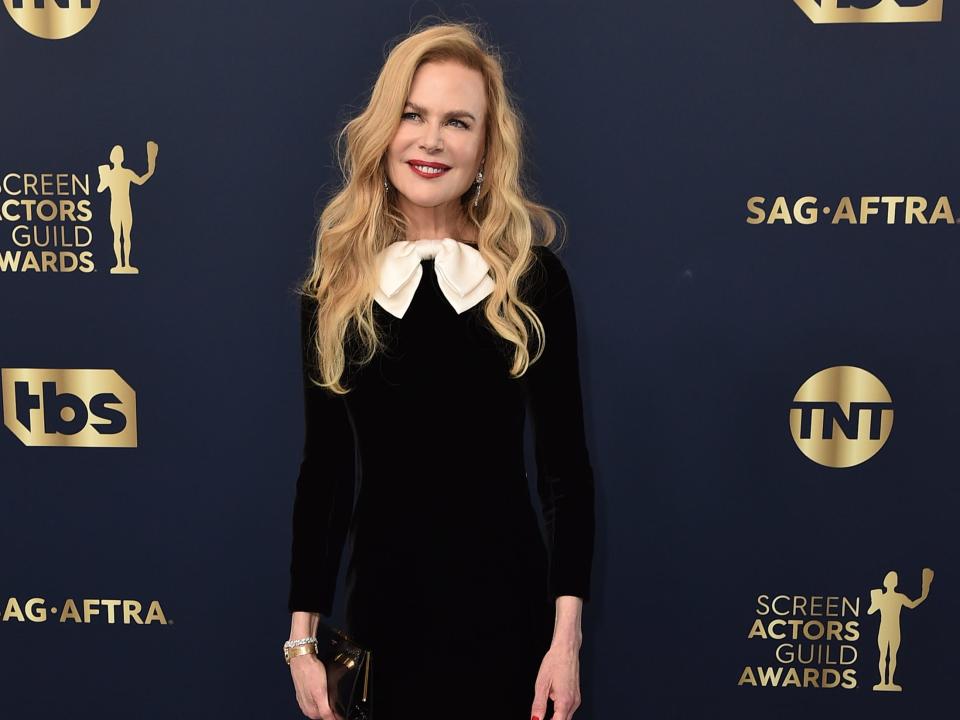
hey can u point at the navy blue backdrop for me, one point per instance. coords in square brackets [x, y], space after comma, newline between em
[651, 126]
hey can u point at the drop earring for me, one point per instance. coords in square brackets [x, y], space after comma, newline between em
[476, 198]
[386, 185]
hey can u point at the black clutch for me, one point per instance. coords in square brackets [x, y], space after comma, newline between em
[348, 673]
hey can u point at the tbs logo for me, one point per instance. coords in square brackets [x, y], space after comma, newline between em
[52, 19]
[69, 408]
[872, 11]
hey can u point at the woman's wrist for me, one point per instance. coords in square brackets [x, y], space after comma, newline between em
[303, 624]
[566, 628]
[567, 640]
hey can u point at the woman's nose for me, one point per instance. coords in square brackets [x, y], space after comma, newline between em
[432, 139]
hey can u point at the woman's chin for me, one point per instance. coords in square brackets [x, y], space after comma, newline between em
[428, 199]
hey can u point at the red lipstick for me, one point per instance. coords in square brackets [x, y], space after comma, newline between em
[428, 164]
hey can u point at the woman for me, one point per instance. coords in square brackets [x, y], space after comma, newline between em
[433, 313]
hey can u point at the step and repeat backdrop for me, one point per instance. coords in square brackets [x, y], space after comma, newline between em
[762, 202]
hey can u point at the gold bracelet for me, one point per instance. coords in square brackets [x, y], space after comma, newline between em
[290, 653]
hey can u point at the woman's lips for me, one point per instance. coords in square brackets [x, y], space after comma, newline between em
[428, 171]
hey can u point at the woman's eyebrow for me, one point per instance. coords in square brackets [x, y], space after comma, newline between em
[451, 113]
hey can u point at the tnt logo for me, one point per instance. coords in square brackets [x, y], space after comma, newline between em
[52, 19]
[841, 416]
[69, 408]
[872, 11]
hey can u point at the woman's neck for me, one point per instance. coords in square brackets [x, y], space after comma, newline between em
[436, 222]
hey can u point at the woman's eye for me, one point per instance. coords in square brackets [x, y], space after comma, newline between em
[411, 115]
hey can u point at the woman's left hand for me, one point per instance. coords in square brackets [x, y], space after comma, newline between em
[559, 680]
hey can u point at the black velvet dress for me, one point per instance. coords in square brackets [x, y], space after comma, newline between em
[451, 582]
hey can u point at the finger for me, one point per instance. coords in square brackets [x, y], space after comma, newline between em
[334, 715]
[538, 711]
[323, 706]
[561, 710]
[564, 707]
[307, 706]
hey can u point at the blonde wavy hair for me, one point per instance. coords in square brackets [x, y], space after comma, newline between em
[360, 220]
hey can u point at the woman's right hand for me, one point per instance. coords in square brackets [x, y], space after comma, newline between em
[310, 681]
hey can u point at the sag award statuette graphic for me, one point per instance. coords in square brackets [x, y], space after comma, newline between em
[817, 640]
[888, 602]
[117, 179]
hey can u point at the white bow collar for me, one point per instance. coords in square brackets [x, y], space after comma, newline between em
[462, 273]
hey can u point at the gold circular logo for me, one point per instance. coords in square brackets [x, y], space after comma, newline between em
[52, 19]
[841, 416]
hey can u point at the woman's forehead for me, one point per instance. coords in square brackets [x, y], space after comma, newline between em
[442, 87]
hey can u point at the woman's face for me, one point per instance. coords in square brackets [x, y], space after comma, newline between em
[442, 127]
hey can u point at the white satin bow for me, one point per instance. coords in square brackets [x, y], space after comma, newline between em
[462, 273]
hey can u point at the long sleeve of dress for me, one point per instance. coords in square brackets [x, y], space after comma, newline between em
[565, 481]
[325, 486]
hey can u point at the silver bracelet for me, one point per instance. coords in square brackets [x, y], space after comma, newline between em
[297, 643]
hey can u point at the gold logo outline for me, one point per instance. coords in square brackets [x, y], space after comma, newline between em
[865, 404]
[84, 383]
[51, 22]
[886, 11]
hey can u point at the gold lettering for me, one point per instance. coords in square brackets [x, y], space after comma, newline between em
[769, 676]
[85, 212]
[867, 208]
[780, 212]
[892, 201]
[854, 608]
[915, 208]
[747, 677]
[774, 605]
[111, 606]
[89, 609]
[155, 613]
[799, 605]
[757, 630]
[853, 654]
[131, 611]
[834, 627]
[817, 632]
[35, 610]
[845, 212]
[815, 602]
[757, 215]
[6, 213]
[30, 262]
[784, 653]
[13, 611]
[70, 611]
[770, 632]
[762, 603]
[942, 212]
[806, 218]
